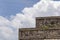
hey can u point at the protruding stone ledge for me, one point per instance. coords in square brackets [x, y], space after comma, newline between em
[39, 34]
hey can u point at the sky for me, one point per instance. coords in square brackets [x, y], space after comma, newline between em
[11, 7]
[15, 14]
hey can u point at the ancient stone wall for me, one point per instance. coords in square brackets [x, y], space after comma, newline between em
[40, 34]
[48, 22]
[47, 28]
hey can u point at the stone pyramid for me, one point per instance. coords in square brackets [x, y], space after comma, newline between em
[46, 28]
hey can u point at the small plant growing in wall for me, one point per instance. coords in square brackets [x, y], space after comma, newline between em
[44, 27]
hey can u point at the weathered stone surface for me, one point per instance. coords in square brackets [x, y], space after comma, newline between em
[36, 33]
[51, 39]
[48, 22]
[47, 28]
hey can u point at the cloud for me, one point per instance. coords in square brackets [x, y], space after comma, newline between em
[26, 19]
[6, 30]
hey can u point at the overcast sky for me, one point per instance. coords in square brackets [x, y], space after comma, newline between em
[15, 14]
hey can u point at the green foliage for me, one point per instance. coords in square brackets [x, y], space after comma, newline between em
[44, 27]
